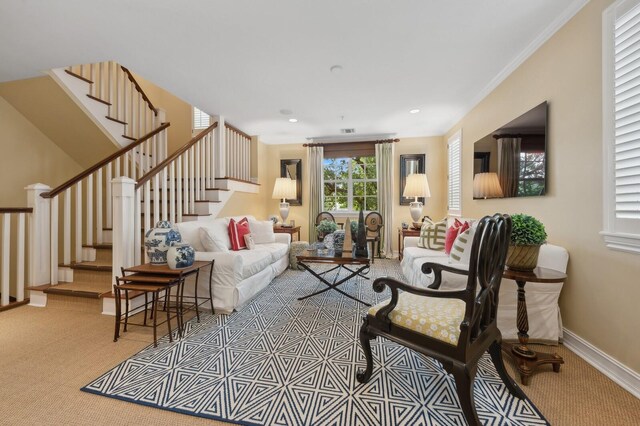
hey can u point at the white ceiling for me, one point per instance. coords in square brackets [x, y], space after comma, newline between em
[247, 60]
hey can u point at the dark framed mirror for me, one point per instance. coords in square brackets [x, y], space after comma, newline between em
[514, 157]
[410, 163]
[293, 170]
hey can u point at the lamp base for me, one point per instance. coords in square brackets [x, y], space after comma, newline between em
[284, 211]
[416, 210]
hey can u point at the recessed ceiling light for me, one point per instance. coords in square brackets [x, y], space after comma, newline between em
[293, 120]
[336, 69]
[286, 112]
[414, 111]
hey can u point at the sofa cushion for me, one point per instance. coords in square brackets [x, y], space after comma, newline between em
[461, 250]
[253, 261]
[190, 234]
[276, 250]
[214, 236]
[434, 317]
[262, 231]
[237, 231]
[432, 234]
[249, 242]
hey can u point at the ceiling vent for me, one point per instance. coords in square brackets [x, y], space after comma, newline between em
[347, 131]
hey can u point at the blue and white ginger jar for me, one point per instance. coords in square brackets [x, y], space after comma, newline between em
[180, 256]
[158, 240]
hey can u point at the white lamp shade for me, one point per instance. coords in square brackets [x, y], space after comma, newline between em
[416, 186]
[486, 185]
[284, 188]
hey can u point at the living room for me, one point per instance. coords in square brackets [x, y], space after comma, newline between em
[562, 66]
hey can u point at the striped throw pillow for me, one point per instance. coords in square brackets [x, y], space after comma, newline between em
[461, 250]
[433, 234]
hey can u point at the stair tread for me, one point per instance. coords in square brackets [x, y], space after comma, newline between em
[116, 120]
[131, 138]
[216, 189]
[87, 289]
[238, 180]
[99, 100]
[106, 246]
[195, 214]
[90, 266]
[78, 76]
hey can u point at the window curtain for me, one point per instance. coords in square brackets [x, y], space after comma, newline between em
[509, 165]
[315, 157]
[384, 166]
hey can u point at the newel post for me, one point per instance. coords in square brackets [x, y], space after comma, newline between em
[39, 235]
[123, 190]
[220, 150]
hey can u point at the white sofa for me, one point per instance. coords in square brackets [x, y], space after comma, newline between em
[545, 322]
[237, 275]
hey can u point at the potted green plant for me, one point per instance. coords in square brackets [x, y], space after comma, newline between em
[527, 235]
[325, 227]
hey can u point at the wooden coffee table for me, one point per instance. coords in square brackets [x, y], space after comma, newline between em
[361, 266]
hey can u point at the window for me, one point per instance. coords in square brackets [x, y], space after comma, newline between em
[621, 125]
[201, 120]
[454, 149]
[350, 184]
[531, 179]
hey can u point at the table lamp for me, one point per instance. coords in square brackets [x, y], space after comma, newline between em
[283, 189]
[486, 185]
[416, 186]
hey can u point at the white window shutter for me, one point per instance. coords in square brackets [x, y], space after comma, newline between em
[201, 120]
[454, 148]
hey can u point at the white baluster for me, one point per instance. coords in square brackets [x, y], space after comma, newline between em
[192, 189]
[155, 151]
[203, 168]
[134, 163]
[54, 240]
[207, 163]
[99, 223]
[20, 259]
[196, 151]
[89, 236]
[172, 192]
[156, 198]
[92, 77]
[147, 212]
[125, 165]
[125, 106]
[78, 219]
[165, 198]
[179, 177]
[137, 226]
[5, 266]
[66, 228]
[109, 177]
[185, 182]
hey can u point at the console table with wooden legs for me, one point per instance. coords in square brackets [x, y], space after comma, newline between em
[527, 361]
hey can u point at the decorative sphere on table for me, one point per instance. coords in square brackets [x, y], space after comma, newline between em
[180, 256]
[158, 240]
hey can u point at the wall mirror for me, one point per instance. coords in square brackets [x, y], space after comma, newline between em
[513, 159]
[410, 163]
[293, 170]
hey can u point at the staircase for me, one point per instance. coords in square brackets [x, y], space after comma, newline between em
[81, 233]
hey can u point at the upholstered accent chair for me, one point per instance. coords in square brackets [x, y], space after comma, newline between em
[454, 327]
[373, 223]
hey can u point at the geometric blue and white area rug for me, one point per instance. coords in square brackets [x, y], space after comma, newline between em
[280, 361]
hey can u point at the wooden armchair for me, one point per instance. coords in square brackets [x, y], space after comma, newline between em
[373, 223]
[471, 316]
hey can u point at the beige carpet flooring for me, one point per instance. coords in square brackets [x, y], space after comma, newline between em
[48, 354]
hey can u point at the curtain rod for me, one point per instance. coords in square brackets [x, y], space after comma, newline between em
[349, 142]
[516, 135]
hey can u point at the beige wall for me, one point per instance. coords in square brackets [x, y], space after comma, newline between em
[433, 147]
[599, 300]
[30, 157]
[178, 112]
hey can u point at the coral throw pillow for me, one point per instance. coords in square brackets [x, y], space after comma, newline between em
[237, 231]
[452, 233]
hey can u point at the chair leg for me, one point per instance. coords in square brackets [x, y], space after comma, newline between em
[496, 357]
[365, 337]
[464, 388]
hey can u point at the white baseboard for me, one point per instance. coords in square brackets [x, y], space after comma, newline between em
[610, 367]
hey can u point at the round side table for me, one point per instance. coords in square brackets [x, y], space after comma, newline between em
[527, 360]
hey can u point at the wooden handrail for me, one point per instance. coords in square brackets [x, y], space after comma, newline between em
[16, 210]
[235, 129]
[102, 163]
[151, 173]
[139, 89]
